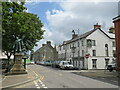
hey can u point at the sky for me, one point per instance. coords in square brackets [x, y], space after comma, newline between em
[61, 17]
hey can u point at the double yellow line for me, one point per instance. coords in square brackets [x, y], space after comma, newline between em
[41, 77]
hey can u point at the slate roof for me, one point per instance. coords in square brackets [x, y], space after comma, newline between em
[111, 36]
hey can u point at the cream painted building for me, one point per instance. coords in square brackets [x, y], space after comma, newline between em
[91, 50]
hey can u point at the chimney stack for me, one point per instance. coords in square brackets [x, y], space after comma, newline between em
[48, 42]
[43, 45]
[73, 34]
[97, 26]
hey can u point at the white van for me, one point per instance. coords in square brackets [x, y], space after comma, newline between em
[65, 65]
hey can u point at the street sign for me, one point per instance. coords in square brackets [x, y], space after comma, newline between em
[87, 55]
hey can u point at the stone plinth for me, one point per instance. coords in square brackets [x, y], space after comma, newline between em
[18, 67]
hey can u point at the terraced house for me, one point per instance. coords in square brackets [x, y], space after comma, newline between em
[91, 50]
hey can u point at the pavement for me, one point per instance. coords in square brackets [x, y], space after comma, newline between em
[101, 75]
[10, 81]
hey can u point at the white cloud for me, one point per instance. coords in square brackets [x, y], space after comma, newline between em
[78, 15]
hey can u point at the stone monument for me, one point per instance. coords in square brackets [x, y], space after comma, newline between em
[18, 66]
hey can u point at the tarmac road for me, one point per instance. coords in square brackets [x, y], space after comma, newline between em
[55, 78]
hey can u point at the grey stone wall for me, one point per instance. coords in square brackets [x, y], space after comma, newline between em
[46, 53]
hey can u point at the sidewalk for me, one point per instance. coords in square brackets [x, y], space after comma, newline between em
[102, 75]
[98, 73]
[14, 80]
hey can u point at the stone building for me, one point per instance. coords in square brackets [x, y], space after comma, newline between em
[46, 53]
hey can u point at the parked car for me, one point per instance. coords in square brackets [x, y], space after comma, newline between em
[4, 65]
[55, 64]
[48, 63]
[32, 62]
[40, 62]
[66, 65]
[111, 67]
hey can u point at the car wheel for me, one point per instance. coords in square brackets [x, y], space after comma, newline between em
[111, 70]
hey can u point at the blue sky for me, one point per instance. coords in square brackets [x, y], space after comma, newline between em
[60, 18]
[40, 8]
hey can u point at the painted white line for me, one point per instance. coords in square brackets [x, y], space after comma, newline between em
[43, 85]
[40, 81]
[38, 87]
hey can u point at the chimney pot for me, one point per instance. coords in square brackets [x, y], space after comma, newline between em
[97, 26]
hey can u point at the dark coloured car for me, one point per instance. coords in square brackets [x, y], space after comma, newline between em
[4, 65]
[55, 64]
[111, 67]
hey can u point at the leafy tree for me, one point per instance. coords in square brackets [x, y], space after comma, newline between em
[0, 26]
[18, 23]
[111, 30]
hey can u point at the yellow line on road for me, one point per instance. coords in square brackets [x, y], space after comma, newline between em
[42, 77]
[34, 73]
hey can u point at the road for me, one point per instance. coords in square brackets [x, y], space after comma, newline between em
[55, 78]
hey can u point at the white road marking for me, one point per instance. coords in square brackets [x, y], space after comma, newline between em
[43, 85]
[38, 87]
[40, 81]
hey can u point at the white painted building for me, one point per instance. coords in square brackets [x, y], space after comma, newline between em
[91, 50]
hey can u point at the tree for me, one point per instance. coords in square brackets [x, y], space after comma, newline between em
[18, 23]
[0, 26]
[111, 30]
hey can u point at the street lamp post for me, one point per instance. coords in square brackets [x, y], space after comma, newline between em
[79, 61]
[24, 57]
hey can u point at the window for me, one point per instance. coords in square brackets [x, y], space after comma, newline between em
[106, 50]
[73, 45]
[82, 52]
[78, 44]
[82, 43]
[114, 53]
[60, 48]
[113, 44]
[78, 53]
[93, 43]
[94, 64]
[70, 46]
[106, 62]
[89, 44]
[64, 47]
[94, 52]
